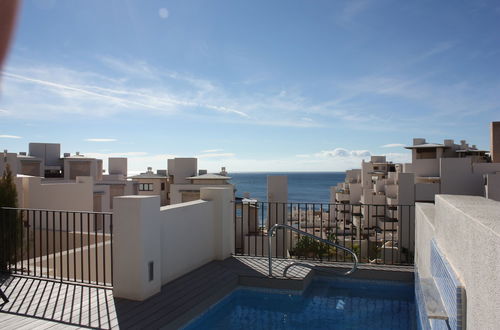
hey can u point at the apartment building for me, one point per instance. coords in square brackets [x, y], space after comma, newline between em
[375, 201]
[150, 184]
[46, 180]
[186, 181]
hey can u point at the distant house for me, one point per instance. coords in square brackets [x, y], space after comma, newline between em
[150, 183]
[186, 181]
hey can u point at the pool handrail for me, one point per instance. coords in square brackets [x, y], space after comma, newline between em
[322, 240]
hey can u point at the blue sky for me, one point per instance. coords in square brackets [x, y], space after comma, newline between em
[251, 85]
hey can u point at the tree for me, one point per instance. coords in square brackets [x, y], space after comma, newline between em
[11, 227]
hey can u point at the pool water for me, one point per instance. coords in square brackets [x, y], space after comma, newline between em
[326, 304]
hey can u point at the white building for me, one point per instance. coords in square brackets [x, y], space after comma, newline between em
[186, 181]
[151, 184]
[46, 180]
[377, 198]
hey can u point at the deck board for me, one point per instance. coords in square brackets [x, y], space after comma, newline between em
[47, 304]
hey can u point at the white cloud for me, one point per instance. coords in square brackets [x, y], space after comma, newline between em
[5, 136]
[100, 140]
[341, 152]
[69, 91]
[360, 153]
[398, 157]
[212, 150]
[101, 155]
[216, 155]
[4, 112]
[392, 145]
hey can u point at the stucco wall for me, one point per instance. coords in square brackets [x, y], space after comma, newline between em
[492, 188]
[12, 161]
[426, 191]
[457, 177]
[467, 231]
[424, 232]
[187, 238]
[73, 196]
[425, 167]
[176, 190]
[156, 189]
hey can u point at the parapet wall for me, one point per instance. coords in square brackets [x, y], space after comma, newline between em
[187, 238]
[153, 245]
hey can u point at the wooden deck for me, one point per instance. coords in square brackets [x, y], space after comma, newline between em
[44, 304]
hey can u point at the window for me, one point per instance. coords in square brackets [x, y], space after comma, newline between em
[163, 186]
[145, 187]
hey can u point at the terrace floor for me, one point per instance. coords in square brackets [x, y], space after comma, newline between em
[43, 304]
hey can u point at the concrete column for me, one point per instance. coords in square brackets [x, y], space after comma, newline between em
[136, 247]
[223, 217]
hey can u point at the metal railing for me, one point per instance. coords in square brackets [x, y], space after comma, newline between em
[324, 241]
[377, 233]
[72, 246]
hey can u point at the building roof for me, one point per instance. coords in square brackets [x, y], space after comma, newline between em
[427, 145]
[209, 176]
[29, 158]
[148, 176]
[79, 157]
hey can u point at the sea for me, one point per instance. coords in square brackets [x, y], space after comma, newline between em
[311, 187]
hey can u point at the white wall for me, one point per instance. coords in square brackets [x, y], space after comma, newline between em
[467, 231]
[425, 167]
[187, 238]
[181, 168]
[457, 177]
[117, 165]
[176, 238]
[425, 192]
[492, 188]
[176, 193]
[73, 196]
[11, 160]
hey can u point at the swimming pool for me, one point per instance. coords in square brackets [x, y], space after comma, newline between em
[326, 304]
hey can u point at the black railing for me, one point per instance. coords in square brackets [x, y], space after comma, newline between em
[380, 234]
[71, 246]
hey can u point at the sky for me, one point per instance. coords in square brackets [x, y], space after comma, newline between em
[251, 85]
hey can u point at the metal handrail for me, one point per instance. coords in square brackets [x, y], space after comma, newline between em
[322, 240]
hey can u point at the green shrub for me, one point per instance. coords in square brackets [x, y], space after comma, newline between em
[11, 226]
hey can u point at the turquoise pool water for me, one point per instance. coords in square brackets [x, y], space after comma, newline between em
[326, 304]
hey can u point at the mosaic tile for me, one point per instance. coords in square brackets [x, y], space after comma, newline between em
[450, 288]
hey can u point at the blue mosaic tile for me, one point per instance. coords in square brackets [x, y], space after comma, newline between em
[450, 288]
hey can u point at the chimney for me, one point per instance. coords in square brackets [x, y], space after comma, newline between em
[223, 171]
[495, 142]
[417, 141]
